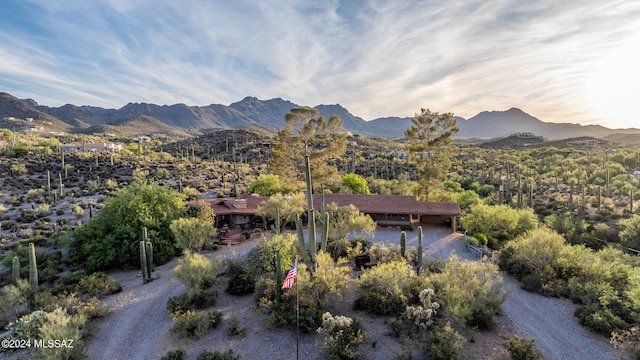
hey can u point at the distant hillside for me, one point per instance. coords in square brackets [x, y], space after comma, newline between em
[268, 115]
[138, 125]
[12, 107]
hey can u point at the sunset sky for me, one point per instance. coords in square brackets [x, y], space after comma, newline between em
[572, 61]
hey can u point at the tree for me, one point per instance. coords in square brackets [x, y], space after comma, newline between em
[288, 206]
[430, 140]
[500, 223]
[345, 219]
[630, 236]
[112, 238]
[356, 183]
[266, 185]
[307, 132]
[191, 233]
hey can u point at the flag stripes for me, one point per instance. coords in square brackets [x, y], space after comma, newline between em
[291, 275]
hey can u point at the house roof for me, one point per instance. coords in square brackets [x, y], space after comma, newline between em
[368, 204]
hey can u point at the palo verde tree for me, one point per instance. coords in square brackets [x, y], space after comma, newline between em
[308, 133]
[430, 139]
[112, 238]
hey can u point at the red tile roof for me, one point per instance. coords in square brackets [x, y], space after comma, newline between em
[368, 204]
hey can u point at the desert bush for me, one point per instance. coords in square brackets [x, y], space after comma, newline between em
[534, 257]
[242, 280]
[190, 323]
[341, 336]
[263, 256]
[218, 355]
[27, 327]
[60, 325]
[192, 299]
[98, 284]
[196, 271]
[445, 343]
[386, 289]
[521, 348]
[235, 328]
[500, 223]
[628, 341]
[175, 354]
[329, 280]
[470, 291]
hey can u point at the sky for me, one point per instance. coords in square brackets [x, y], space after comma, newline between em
[575, 61]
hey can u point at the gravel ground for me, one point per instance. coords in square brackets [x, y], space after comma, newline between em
[140, 323]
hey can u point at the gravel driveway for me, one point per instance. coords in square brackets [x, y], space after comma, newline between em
[139, 325]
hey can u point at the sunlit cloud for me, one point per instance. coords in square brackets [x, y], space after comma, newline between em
[570, 61]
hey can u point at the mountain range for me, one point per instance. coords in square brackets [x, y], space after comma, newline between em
[139, 118]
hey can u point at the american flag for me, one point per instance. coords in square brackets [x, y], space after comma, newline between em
[291, 275]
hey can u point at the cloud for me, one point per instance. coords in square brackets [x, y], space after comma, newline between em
[374, 57]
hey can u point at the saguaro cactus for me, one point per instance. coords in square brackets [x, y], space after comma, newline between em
[419, 259]
[148, 252]
[15, 267]
[403, 244]
[277, 224]
[33, 267]
[143, 263]
[325, 231]
[301, 243]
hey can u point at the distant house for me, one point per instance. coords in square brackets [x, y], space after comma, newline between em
[387, 210]
[94, 147]
[586, 142]
[523, 135]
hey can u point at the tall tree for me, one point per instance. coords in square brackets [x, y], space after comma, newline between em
[307, 132]
[112, 238]
[430, 140]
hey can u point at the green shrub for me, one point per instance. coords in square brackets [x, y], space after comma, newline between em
[341, 336]
[218, 355]
[192, 299]
[27, 327]
[628, 341]
[189, 323]
[234, 328]
[470, 291]
[60, 325]
[284, 315]
[522, 349]
[175, 354]
[196, 271]
[406, 227]
[242, 280]
[98, 284]
[599, 319]
[445, 343]
[387, 288]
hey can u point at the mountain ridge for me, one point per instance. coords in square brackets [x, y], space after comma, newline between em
[269, 114]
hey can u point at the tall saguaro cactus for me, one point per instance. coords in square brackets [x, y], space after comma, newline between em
[33, 267]
[146, 256]
[301, 243]
[403, 244]
[143, 263]
[325, 231]
[15, 267]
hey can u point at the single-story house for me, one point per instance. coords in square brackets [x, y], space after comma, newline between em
[389, 210]
[90, 147]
